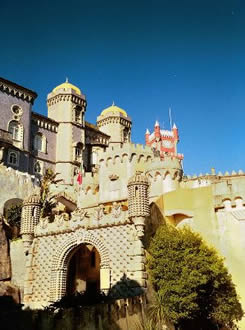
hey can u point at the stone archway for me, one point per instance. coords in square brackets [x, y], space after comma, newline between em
[61, 260]
[83, 272]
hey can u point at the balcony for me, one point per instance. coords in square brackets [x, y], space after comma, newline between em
[6, 136]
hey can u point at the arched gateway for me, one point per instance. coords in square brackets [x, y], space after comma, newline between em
[64, 256]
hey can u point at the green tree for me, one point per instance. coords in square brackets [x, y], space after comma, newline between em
[47, 200]
[193, 287]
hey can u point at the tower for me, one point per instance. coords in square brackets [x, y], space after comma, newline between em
[138, 201]
[115, 122]
[67, 106]
[29, 219]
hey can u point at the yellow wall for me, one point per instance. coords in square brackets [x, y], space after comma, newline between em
[219, 229]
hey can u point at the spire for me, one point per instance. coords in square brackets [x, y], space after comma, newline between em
[147, 131]
[170, 117]
[157, 123]
[174, 126]
[67, 80]
[113, 103]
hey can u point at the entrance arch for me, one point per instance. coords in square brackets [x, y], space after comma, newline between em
[63, 255]
[83, 272]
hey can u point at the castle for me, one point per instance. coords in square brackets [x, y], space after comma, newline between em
[99, 229]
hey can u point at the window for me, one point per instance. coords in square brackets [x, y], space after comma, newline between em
[37, 168]
[39, 142]
[78, 151]
[17, 109]
[78, 114]
[14, 129]
[13, 158]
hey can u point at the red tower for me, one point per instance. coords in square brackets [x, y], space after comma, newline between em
[164, 141]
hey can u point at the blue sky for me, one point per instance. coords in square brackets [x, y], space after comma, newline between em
[147, 56]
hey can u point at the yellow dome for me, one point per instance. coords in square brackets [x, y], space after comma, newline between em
[114, 109]
[66, 85]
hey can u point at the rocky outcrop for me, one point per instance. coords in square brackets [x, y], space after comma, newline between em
[8, 289]
[5, 264]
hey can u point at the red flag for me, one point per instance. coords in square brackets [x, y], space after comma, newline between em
[79, 178]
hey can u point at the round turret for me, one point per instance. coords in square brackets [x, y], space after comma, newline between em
[116, 123]
[138, 197]
[30, 218]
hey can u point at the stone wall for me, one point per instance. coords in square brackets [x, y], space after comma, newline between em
[14, 184]
[17, 264]
[120, 250]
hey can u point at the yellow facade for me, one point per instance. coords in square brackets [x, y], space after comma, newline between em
[195, 207]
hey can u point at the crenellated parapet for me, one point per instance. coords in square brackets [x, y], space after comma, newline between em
[168, 165]
[202, 180]
[15, 184]
[127, 153]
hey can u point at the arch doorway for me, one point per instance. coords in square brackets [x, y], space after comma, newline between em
[83, 273]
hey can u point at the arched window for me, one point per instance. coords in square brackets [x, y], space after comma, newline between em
[13, 158]
[39, 142]
[37, 168]
[14, 129]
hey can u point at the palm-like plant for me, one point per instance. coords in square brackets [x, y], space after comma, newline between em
[47, 200]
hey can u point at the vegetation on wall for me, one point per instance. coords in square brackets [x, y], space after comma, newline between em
[47, 201]
[193, 287]
[14, 215]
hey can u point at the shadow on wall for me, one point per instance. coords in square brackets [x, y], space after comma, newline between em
[125, 288]
[152, 223]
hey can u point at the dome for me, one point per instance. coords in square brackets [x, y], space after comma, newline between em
[67, 85]
[114, 109]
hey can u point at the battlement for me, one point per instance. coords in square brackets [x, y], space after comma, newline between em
[127, 153]
[213, 175]
[21, 177]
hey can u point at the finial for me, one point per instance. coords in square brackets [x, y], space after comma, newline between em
[156, 123]
[147, 131]
[113, 103]
[174, 126]
[67, 80]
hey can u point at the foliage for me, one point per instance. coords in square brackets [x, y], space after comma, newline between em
[79, 300]
[13, 215]
[192, 284]
[47, 201]
[48, 179]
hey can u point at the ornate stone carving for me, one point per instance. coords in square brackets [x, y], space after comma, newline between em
[116, 210]
[79, 214]
[61, 218]
[44, 223]
[99, 212]
[113, 177]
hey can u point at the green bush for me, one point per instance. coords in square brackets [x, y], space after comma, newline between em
[191, 281]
